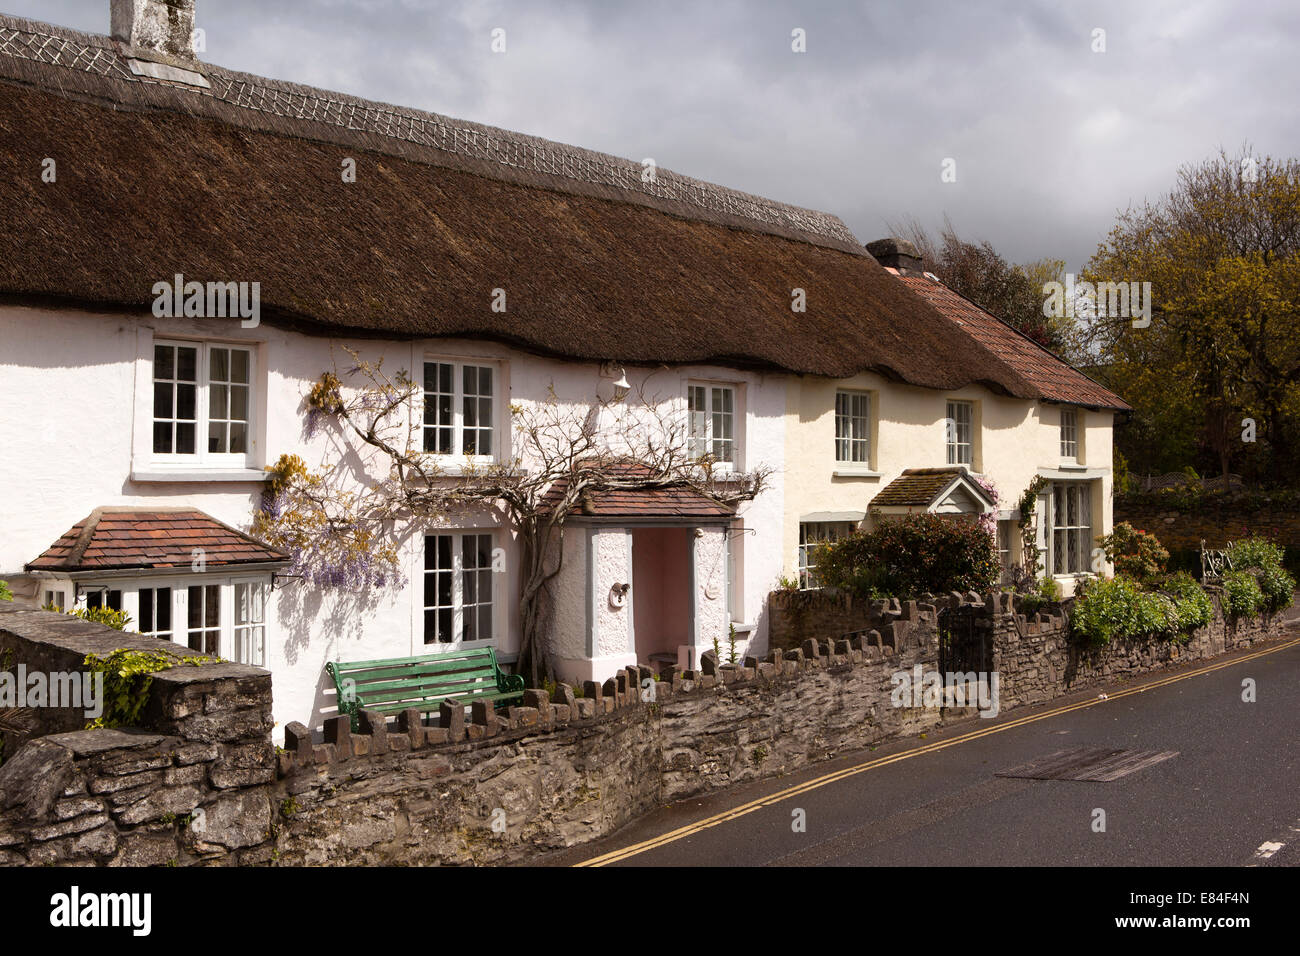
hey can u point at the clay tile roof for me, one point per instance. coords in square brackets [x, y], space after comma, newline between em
[125, 538]
[919, 487]
[241, 181]
[667, 502]
[1053, 378]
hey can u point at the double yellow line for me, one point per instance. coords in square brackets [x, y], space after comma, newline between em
[794, 791]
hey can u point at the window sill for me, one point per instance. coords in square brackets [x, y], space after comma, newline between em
[453, 467]
[848, 471]
[743, 628]
[199, 475]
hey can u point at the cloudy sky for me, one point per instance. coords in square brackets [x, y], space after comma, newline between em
[1048, 137]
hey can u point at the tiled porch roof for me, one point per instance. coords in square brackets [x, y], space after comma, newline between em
[112, 539]
[678, 501]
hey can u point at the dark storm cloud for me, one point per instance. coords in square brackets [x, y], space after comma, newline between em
[1049, 138]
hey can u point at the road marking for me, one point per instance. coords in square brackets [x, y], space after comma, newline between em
[614, 856]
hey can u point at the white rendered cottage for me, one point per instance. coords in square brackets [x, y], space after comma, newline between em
[501, 271]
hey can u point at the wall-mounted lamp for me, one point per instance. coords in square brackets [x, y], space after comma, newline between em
[619, 374]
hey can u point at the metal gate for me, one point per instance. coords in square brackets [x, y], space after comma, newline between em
[963, 647]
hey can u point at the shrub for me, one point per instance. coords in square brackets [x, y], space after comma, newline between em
[1192, 603]
[103, 615]
[1242, 596]
[1104, 611]
[1265, 559]
[5, 593]
[1119, 608]
[1135, 553]
[1047, 592]
[912, 555]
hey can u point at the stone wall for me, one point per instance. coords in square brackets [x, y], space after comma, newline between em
[1036, 660]
[796, 616]
[116, 796]
[1215, 521]
[559, 774]
[200, 782]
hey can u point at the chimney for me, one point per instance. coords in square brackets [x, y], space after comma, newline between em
[895, 253]
[157, 30]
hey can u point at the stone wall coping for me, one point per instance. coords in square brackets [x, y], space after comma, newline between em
[71, 634]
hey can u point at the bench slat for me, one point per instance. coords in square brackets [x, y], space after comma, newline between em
[423, 682]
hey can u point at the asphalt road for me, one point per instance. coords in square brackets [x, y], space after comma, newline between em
[1231, 796]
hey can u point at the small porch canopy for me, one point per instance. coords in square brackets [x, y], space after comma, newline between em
[112, 542]
[949, 490]
[671, 504]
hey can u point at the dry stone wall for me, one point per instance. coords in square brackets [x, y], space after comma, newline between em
[201, 783]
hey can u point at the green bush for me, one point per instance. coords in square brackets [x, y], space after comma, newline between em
[912, 555]
[5, 593]
[1265, 559]
[1195, 609]
[1242, 596]
[1134, 553]
[103, 615]
[1104, 611]
[1048, 592]
[1119, 608]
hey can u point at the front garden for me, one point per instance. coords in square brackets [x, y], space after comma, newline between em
[924, 554]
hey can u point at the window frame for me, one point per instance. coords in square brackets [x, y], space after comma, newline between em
[457, 594]
[852, 395]
[1084, 528]
[201, 457]
[458, 396]
[179, 585]
[1069, 435]
[805, 569]
[735, 572]
[709, 438]
[952, 439]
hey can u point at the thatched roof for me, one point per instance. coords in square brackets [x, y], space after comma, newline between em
[241, 182]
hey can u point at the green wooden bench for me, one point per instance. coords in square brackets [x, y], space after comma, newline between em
[423, 683]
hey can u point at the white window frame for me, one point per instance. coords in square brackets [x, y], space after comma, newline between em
[953, 436]
[735, 556]
[498, 433]
[258, 630]
[137, 618]
[56, 589]
[1005, 530]
[702, 441]
[825, 531]
[1077, 550]
[845, 439]
[227, 648]
[1070, 435]
[201, 457]
[457, 605]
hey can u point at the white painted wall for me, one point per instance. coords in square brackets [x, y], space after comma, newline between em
[75, 419]
[1016, 439]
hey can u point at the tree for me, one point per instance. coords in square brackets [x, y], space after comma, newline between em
[343, 523]
[1222, 253]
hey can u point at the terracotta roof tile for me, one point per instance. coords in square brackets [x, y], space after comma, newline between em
[668, 502]
[127, 538]
[1054, 379]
